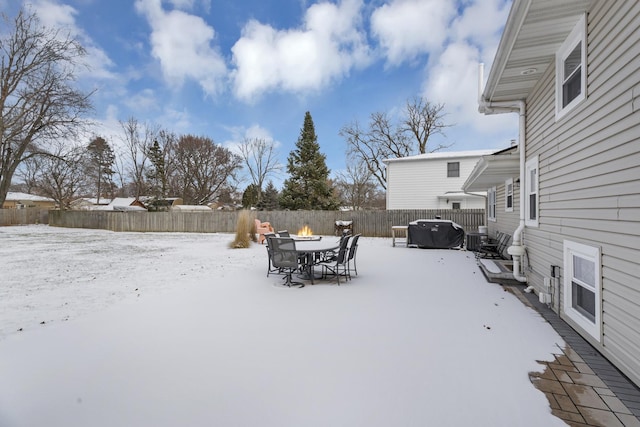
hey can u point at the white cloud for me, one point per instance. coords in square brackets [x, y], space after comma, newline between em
[61, 16]
[144, 100]
[240, 133]
[452, 75]
[406, 29]
[182, 43]
[327, 46]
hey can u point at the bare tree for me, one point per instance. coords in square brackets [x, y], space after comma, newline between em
[260, 158]
[202, 168]
[29, 171]
[37, 100]
[137, 140]
[62, 176]
[356, 185]
[384, 139]
[423, 120]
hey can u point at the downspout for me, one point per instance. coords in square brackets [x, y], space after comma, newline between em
[517, 249]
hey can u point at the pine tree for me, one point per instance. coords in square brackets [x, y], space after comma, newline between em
[100, 166]
[308, 184]
[251, 196]
[156, 174]
[269, 200]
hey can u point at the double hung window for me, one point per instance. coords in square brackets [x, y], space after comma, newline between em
[453, 169]
[491, 204]
[531, 192]
[582, 286]
[508, 195]
[571, 69]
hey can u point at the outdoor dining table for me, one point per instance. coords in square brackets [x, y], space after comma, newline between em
[311, 249]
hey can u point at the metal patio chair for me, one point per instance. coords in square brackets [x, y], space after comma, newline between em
[285, 257]
[351, 257]
[337, 266]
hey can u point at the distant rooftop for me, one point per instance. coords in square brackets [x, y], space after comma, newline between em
[443, 155]
[17, 196]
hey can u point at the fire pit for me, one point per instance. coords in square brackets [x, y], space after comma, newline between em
[305, 233]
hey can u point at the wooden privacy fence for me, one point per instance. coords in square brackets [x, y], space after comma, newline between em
[368, 223]
[23, 216]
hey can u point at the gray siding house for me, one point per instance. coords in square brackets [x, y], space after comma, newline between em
[571, 70]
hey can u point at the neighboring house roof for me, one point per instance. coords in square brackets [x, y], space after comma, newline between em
[122, 204]
[17, 196]
[190, 208]
[440, 155]
[494, 169]
[533, 33]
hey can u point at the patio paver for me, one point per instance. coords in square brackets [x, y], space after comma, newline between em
[583, 388]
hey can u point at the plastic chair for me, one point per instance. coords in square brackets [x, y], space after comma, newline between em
[261, 229]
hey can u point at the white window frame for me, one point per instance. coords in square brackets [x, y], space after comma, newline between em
[591, 254]
[491, 204]
[508, 192]
[532, 188]
[577, 37]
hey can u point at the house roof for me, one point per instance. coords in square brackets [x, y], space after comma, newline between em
[122, 201]
[441, 155]
[493, 170]
[17, 196]
[532, 34]
[460, 195]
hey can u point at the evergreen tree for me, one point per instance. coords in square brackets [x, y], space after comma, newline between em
[100, 166]
[269, 200]
[156, 174]
[308, 184]
[250, 196]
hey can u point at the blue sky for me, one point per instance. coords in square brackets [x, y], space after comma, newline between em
[231, 69]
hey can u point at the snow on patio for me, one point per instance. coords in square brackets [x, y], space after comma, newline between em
[159, 329]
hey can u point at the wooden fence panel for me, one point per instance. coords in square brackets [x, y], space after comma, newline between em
[368, 223]
[23, 216]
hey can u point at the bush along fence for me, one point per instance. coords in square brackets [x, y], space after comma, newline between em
[23, 216]
[368, 223]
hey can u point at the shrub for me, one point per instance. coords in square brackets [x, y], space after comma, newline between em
[245, 230]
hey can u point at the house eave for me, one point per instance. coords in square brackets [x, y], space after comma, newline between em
[534, 31]
[491, 171]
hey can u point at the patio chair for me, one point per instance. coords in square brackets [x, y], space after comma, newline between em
[351, 257]
[285, 257]
[261, 229]
[270, 266]
[331, 255]
[283, 233]
[337, 266]
[494, 248]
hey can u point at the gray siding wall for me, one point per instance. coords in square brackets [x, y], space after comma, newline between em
[589, 168]
[507, 222]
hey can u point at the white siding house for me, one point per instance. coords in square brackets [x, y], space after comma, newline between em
[433, 181]
[570, 70]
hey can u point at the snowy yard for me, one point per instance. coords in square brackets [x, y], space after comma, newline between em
[156, 329]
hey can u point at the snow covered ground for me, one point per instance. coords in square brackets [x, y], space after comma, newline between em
[156, 329]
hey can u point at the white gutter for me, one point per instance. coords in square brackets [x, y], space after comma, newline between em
[517, 249]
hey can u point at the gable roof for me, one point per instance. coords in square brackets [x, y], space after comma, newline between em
[533, 33]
